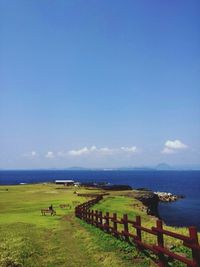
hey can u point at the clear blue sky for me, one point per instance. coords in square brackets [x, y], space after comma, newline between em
[122, 76]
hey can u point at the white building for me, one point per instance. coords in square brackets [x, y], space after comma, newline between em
[65, 182]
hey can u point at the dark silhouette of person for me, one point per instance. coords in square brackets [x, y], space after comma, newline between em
[51, 207]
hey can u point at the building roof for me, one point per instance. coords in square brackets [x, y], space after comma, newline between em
[64, 181]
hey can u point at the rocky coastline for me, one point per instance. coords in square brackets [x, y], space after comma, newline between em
[151, 199]
[148, 198]
[168, 197]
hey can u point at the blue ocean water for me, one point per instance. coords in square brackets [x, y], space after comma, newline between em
[185, 212]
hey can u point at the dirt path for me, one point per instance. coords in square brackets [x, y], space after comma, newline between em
[78, 255]
[64, 248]
[75, 246]
[86, 246]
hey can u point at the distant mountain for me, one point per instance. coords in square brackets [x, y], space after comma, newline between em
[161, 166]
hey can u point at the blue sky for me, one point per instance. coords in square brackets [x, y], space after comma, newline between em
[99, 83]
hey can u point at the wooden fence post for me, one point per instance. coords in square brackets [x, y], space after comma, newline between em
[88, 217]
[107, 222]
[195, 251]
[115, 224]
[138, 231]
[83, 213]
[96, 218]
[100, 219]
[125, 222]
[92, 217]
[86, 214]
[160, 241]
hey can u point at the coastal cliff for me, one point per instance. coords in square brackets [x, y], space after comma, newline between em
[150, 200]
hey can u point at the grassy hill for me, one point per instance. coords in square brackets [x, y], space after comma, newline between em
[29, 239]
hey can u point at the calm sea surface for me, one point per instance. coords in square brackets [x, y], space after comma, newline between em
[184, 212]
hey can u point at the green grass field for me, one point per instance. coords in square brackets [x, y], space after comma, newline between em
[29, 239]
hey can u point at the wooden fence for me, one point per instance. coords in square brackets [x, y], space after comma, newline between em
[110, 224]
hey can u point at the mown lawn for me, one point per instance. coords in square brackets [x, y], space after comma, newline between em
[29, 239]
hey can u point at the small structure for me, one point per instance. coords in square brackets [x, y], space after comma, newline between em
[65, 182]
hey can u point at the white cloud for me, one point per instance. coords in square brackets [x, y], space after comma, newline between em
[79, 152]
[49, 155]
[176, 144]
[101, 151]
[129, 149]
[171, 147]
[33, 153]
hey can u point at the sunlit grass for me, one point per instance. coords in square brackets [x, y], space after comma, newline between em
[29, 239]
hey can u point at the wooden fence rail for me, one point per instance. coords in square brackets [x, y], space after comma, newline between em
[109, 223]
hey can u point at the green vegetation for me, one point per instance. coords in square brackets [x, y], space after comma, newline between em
[124, 202]
[29, 239]
[121, 204]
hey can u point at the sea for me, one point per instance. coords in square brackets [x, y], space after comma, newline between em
[184, 212]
